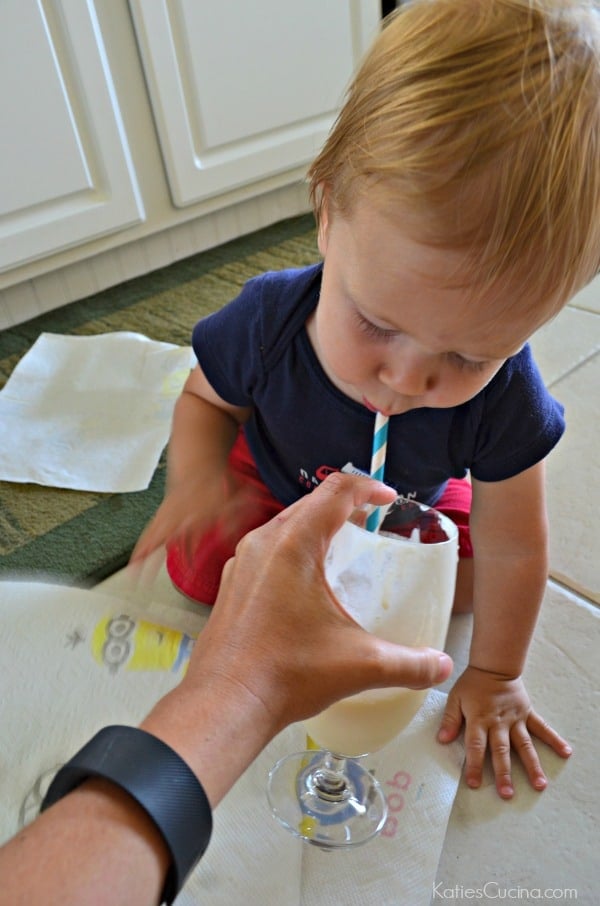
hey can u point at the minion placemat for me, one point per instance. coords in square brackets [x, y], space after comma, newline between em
[72, 661]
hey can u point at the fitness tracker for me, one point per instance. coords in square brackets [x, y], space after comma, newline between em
[159, 781]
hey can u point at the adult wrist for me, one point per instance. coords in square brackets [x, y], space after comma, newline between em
[161, 783]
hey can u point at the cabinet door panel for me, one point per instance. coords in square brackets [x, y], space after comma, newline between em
[243, 91]
[64, 160]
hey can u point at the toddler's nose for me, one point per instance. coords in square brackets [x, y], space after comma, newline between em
[410, 373]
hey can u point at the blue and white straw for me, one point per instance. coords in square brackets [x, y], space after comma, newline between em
[380, 433]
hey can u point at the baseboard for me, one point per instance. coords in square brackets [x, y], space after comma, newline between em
[92, 274]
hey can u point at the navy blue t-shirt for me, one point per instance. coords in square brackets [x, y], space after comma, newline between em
[255, 352]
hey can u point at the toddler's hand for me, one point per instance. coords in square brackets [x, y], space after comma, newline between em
[498, 715]
[188, 510]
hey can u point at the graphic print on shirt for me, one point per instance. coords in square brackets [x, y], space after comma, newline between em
[309, 482]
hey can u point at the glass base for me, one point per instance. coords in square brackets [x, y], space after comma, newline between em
[311, 800]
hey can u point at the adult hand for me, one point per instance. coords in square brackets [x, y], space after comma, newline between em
[277, 631]
[277, 648]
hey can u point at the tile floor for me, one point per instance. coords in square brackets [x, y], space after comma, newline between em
[539, 846]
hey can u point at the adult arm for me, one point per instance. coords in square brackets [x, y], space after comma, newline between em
[247, 679]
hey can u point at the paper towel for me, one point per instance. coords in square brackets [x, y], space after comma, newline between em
[66, 672]
[90, 413]
[74, 660]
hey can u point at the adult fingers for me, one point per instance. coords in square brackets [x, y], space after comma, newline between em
[315, 518]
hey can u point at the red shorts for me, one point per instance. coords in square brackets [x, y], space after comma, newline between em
[200, 578]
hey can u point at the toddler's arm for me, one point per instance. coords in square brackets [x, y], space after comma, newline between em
[202, 435]
[509, 534]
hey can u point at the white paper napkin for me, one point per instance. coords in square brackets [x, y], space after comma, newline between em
[90, 413]
[420, 778]
[74, 660]
[252, 860]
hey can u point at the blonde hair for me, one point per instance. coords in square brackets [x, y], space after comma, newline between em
[479, 120]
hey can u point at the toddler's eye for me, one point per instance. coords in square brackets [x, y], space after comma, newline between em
[372, 330]
[466, 364]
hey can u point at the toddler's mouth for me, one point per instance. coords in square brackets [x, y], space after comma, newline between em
[394, 410]
[369, 405]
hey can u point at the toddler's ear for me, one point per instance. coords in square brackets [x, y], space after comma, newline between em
[324, 220]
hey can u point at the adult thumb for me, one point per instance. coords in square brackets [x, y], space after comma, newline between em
[415, 668]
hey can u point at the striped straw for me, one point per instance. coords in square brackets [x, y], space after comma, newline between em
[380, 433]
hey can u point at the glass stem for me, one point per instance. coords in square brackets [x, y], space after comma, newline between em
[329, 779]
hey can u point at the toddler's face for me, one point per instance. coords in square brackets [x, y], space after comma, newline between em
[391, 329]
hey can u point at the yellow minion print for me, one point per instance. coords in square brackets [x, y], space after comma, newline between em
[123, 643]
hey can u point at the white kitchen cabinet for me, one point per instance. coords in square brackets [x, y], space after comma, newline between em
[137, 132]
[243, 90]
[65, 169]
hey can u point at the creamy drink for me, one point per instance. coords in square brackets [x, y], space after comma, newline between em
[400, 587]
[366, 722]
[402, 590]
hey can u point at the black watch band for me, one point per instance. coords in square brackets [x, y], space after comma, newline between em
[159, 781]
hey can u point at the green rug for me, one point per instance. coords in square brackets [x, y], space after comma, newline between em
[81, 537]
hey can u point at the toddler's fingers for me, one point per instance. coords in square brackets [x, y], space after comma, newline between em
[475, 746]
[142, 547]
[152, 538]
[140, 574]
[452, 720]
[525, 749]
[499, 741]
[538, 727]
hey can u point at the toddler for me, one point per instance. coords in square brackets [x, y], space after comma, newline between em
[458, 210]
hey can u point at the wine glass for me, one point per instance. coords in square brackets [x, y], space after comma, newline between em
[397, 583]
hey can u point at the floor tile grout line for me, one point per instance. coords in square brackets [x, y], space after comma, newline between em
[579, 364]
[563, 584]
[589, 311]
